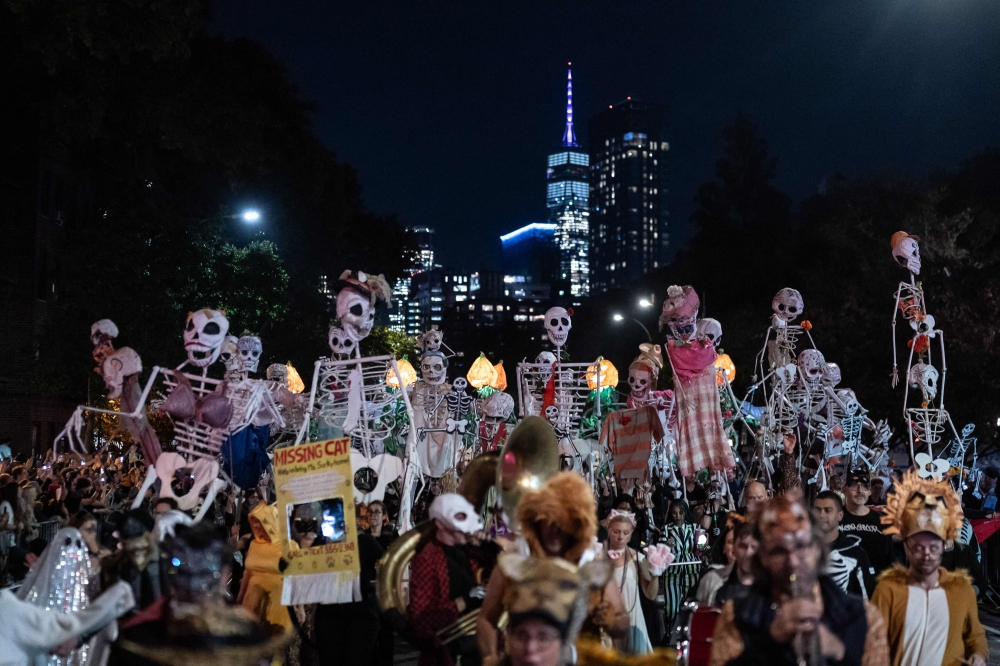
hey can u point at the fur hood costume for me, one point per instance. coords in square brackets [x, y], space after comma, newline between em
[566, 500]
[965, 636]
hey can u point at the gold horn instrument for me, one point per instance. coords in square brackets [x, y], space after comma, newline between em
[528, 459]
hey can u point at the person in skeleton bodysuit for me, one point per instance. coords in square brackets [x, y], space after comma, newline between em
[701, 440]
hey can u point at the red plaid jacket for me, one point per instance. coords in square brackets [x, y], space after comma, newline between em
[431, 607]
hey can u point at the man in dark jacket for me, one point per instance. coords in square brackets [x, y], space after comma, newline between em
[793, 611]
[847, 563]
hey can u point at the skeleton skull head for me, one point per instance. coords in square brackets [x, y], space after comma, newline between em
[356, 312]
[229, 354]
[203, 336]
[340, 344]
[103, 331]
[498, 405]
[787, 304]
[250, 349]
[640, 380]
[552, 414]
[432, 340]
[558, 323]
[906, 251]
[277, 372]
[812, 366]
[460, 384]
[967, 430]
[831, 375]
[711, 329]
[432, 368]
[117, 367]
[924, 377]
[545, 357]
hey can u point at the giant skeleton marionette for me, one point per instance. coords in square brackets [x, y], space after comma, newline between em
[701, 440]
[559, 392]
[350, 397]
[927, 422]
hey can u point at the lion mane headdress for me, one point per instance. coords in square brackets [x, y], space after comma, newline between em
[922, 505]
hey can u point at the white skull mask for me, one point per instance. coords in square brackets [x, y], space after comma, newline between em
[340, 344]
[558, 323]
[102, 331]
[812, 366]
[640, 381]
[787, 304]
[229, 354]
[432, 340]
[276, 372]
[356, 313]
[203, 336]
[250, 349]
[545, 358]
[460, 384]
[924, 377]
[456, 513]
[117, 367]
[711, 329]
[552, 414]
[831, 375]
[907, 254]
[432, 368]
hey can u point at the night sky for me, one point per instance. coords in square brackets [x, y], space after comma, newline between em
[447, 109]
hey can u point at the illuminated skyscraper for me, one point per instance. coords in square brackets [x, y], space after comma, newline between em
[567, 199]
[629, 214]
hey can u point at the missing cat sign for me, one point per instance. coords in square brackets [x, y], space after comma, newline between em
[316, 505]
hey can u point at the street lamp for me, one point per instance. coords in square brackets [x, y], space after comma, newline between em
[644, 303]
[618, 318]
[251, 216]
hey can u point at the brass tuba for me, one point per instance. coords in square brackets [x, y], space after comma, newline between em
[529, 458]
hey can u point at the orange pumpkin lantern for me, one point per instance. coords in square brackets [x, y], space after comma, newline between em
[407, 371]
[482, 373]
[609, 374]
[728, 368]
[501, 381]
[295, 383]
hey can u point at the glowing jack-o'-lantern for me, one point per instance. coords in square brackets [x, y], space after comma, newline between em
[728, 368]
[295, 383]
[609, 374]
[501, 381]
[482, 373]
[406, 370]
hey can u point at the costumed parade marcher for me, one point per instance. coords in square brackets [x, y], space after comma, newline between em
[930, 612]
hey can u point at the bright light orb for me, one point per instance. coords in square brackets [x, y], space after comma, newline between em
[251, 216]
[618, 317]
[644, 303]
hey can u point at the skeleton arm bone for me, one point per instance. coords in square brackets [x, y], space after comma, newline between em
[895, 311]
[146, 484]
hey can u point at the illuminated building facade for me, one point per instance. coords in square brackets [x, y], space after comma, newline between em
[567, 196]
[629, 230]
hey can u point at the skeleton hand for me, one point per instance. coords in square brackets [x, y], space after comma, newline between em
[895, 376]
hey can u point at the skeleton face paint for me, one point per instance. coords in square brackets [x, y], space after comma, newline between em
[640, 381]
[340, 343]
[924, 377]
[250, 349]
[787, 304]
[812, 366]
[906, 252]
[711, 329]
[432, 368]
[557, 324]
[203, 336]
[356, 312]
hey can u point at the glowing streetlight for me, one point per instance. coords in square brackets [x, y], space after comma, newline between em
[618, 317]
[644, 303]
[251, 216]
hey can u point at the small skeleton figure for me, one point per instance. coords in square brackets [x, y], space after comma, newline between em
[250, 349]
[495, 409]
[959, 447]
[433, 340]
[680, 320]
[439, 431]
[711, 329]
[229, 354]
[101, 334]
[909, 295]
[460, 403]
[787, 305]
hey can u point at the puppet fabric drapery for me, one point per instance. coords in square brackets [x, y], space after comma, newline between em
[701, 439]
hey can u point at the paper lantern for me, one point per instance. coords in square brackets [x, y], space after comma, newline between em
[295, 383]
[482, 373]
[501, 381]
[405, 369]
[609, 374]
[724, 363]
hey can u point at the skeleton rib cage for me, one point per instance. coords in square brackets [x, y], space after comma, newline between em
[194, 438]
[571, 390]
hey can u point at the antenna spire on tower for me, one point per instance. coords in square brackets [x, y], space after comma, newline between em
[569, 137]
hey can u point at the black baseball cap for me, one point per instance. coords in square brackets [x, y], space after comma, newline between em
[857, 476]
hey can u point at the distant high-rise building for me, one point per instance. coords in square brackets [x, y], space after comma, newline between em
[566, 197]
[406, 314]
[425, 244]
[629, 231]
[530, 254]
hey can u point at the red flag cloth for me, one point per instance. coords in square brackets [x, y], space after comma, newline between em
[985, 527]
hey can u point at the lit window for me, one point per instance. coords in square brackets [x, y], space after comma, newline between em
[460, 297]
[487, 308]
[472, 306]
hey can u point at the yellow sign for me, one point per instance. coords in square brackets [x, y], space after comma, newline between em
[316, 503]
